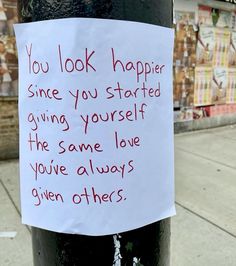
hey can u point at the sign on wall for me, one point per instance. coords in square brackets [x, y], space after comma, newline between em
[96, 125]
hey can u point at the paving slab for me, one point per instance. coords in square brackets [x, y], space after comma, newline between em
[207, 188]
[195, 242]
[14, 250]
[9, 174]
[215, 144]
[225, 132]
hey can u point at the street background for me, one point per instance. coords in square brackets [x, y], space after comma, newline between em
[204, 229]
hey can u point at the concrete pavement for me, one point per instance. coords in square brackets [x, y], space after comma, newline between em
[14, 251]
[204, 229]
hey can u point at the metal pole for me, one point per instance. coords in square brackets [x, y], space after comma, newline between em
[147, 246]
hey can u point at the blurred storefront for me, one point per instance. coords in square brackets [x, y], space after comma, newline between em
[204, 62]
[8, 54]
[9, 132]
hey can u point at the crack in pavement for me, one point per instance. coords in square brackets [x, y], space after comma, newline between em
[12, 201]
[206, 158]
[205, 219]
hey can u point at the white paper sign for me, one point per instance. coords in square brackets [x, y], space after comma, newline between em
[96, 125]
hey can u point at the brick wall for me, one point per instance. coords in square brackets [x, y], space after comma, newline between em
[9, 132]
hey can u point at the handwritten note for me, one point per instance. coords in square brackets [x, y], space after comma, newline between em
[96, 127]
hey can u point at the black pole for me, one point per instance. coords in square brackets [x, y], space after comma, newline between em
[150, 244]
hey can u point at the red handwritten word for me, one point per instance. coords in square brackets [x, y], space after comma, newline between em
[41, 168]
[121, 169]
[141, 69]
[35, 66]
[79, 64]
[98, 198]
[115, 116]
[83, 95]
[40, 145]
[43, 93]
[35, 120]
[122, 93]
[63, 147]
[45, 195]
[122, 143]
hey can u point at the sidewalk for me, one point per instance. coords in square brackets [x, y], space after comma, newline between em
[204, 230]
[15, 251]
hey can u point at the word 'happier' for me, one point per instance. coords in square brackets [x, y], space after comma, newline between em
[141, 69]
